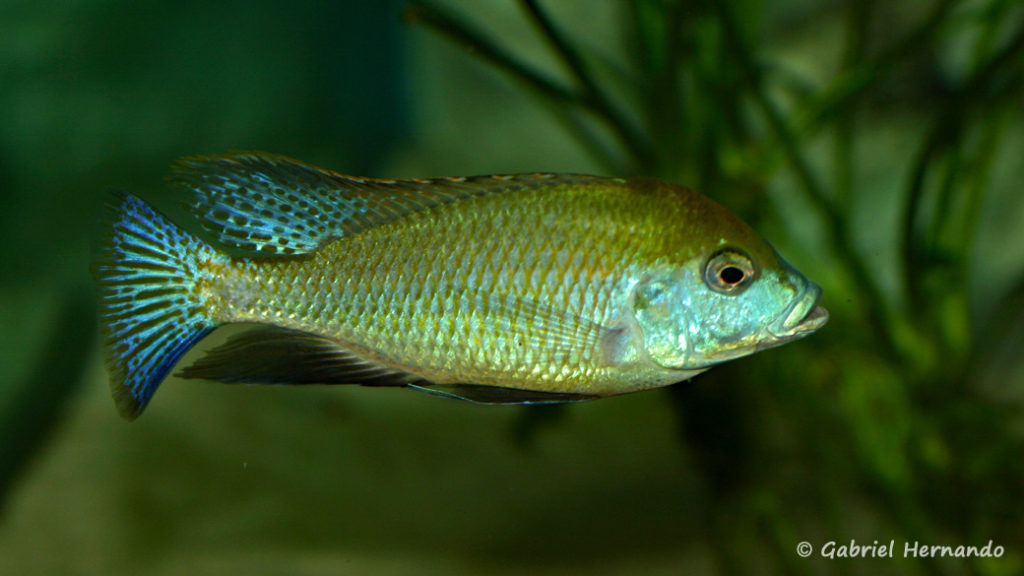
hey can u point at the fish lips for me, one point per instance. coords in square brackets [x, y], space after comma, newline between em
[802, 317]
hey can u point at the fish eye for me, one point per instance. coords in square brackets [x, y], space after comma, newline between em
[729, 272]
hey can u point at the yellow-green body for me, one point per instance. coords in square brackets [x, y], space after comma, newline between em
[441, 293]
[577, 285]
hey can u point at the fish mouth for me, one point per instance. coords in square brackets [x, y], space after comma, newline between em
[802, 317]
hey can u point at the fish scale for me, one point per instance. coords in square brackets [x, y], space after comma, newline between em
[382, 320]
[496, 289]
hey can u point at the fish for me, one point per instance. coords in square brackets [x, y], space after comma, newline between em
[498, 289]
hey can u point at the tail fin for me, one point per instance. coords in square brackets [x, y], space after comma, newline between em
[150, 309]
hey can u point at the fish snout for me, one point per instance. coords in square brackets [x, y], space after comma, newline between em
[803, 315]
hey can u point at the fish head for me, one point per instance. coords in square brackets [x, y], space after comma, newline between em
[724, 304]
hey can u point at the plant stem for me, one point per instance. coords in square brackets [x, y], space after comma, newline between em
[657, 35]
[853, 54]
[947, 135]
[858, 79]
[451, 27]
[592, 96]
[836, 226]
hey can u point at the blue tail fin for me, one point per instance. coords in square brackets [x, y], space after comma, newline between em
[151, 309]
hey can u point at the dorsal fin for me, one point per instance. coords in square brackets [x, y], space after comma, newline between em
[274, 205]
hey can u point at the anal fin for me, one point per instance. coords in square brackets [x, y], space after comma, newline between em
[481, 394]
[274, 355]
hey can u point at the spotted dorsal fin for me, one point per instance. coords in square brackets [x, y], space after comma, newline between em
[269, 205]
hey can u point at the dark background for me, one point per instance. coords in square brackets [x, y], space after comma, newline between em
[877, 146]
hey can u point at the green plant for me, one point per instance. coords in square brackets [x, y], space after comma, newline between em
[885, 406]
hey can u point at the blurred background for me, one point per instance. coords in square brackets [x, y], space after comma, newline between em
[877, 145]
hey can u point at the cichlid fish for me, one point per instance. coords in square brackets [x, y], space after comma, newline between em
[496, 289]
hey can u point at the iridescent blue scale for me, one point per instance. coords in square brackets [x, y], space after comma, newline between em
[496, 289]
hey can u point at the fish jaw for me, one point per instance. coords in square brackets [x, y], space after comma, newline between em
[803, 317]
[698, 328]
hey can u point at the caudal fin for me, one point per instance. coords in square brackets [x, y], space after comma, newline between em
[151, 310]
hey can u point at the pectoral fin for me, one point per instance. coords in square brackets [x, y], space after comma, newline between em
[559, 332]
